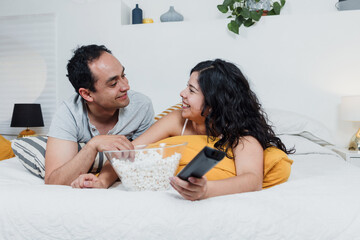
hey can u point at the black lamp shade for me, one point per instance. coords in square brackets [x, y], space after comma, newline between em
[27, 115]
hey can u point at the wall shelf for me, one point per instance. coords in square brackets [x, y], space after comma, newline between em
[200, 10]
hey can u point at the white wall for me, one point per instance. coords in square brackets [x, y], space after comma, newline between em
[303, 60]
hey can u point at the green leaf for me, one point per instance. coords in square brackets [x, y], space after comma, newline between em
[271, 12]
[245, 13]
[228, 2]
[282, 2]
[249, 22]
[234, 27]
[237, 11]
[256, 15]
[276, 8]
[222, 8]
[239, 20]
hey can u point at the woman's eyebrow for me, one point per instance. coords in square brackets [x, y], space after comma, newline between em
[192, 86]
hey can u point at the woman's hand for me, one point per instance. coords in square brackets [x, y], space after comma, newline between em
[195, 189]
[87, 181]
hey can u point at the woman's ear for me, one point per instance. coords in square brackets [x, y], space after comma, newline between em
[86, 94]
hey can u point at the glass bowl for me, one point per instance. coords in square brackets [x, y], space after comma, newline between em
[147, 167]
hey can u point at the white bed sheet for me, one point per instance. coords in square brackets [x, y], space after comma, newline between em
[321, 200]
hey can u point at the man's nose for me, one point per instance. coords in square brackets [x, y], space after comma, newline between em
[124, 85]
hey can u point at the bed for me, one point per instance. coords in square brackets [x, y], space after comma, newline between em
[321, 200]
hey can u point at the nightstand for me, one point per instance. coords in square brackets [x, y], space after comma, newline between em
[352, 157]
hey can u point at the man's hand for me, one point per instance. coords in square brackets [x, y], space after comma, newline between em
[87, 181]
[110, 142]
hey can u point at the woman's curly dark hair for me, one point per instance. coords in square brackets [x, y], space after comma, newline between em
[234, 109]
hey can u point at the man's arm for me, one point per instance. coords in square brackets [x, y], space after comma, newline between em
[63, 164]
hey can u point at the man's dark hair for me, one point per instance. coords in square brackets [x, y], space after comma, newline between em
[79, 73]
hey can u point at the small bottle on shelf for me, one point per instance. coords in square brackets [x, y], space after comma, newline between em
[137, 15]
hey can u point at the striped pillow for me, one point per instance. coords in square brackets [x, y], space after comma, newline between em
[167, 111]
[31, 153]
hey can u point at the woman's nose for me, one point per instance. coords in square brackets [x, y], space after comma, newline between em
[182, 93]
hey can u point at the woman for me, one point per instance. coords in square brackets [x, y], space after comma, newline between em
[219, 103]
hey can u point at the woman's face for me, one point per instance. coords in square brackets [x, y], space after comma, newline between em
[192, 99]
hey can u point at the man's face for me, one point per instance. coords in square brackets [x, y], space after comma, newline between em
[111, 83]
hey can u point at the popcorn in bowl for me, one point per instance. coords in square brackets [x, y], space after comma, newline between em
[147, 167]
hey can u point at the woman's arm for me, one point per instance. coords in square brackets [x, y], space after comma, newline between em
[168, 126]
[249, 171]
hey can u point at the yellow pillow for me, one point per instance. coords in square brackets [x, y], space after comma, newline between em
[277, 165]
[5, 149]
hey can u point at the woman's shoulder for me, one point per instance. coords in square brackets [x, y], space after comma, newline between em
[248, 143]
[173, 121]
[249, 140]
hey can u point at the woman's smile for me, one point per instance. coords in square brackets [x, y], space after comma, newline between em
[184, 105]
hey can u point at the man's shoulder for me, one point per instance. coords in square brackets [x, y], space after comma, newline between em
[73, 104]
[138, 98]
[70, 120]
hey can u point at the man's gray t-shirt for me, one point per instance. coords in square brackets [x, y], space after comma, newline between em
[71, 121]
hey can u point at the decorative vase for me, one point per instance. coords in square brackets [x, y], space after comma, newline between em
[262, 4]
[171, 16]
[137, 15]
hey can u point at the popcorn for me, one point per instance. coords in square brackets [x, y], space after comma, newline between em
[147, 170]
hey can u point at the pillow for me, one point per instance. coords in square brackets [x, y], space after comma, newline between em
[303, 145]
[224, 169]
[277, 165]
[286, 122]
[31, 153]
[5, 149]
[167, 111]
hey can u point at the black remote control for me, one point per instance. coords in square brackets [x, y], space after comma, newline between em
[205, 160]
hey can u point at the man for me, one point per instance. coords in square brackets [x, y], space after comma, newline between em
[103, 113]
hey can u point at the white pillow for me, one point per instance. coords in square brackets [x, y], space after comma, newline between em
[31, 153]
[303, 145]
[290, 123]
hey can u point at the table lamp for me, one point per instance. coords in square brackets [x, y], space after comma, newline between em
[27, 115]
[350, 111]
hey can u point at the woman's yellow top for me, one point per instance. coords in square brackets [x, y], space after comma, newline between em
[277, 165]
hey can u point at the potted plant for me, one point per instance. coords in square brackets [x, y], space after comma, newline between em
[247, 12]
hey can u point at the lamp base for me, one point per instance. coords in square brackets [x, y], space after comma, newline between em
[27, 133]
[355, 142]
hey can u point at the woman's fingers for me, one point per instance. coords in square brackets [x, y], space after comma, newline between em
[195, 189]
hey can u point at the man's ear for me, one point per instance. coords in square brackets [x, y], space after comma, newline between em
[86, 94]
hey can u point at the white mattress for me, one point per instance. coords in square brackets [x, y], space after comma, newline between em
[321, 200]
